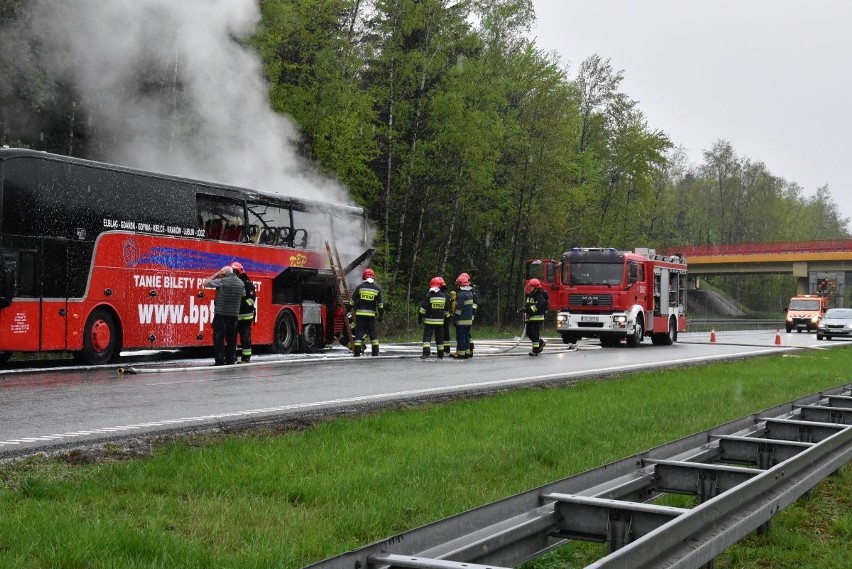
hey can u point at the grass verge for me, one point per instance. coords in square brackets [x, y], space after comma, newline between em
[267, 499]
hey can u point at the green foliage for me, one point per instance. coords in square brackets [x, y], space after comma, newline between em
[286, 499]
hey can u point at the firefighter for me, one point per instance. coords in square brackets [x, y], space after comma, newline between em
[535, 309]
[463, 315]
[449, 319]
[247, 313]
[369, 308]
[433, 311]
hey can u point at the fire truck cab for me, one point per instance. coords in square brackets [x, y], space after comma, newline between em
[617, 295]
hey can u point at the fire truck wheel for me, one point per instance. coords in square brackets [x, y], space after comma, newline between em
[4, 357]
[312, 340]
[569, 338]
[286, 338]
[101, 341]
[635, 338]
[667, 339]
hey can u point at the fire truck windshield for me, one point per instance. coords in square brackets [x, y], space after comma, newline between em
[596, 273]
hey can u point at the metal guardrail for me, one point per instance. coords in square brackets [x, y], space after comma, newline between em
[741, 473]
[729, 324]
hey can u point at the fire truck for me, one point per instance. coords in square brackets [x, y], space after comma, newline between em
[615, 295]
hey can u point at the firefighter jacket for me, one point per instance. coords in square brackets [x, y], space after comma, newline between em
[367, 300]
[248, 301]
[465, 306]
[536, 305]
[435, 307]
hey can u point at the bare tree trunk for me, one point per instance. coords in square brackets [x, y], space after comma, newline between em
[454, 200]
[416, 254]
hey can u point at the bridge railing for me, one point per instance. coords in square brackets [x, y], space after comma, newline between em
[761, 248]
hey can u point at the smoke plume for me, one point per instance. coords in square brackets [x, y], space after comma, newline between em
[168, 87]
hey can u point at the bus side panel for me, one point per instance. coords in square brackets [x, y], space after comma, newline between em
[161, 279]
[264, 323]
[19, 326]
[54, 321]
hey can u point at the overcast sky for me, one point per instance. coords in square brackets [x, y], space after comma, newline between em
[772, 77]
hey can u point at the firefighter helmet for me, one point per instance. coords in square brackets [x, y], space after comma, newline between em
[237, 266]
[437, 282]
[532, 284]
[368, 274]
[463, 279]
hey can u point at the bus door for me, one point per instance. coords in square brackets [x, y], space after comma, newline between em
[55, 275]
[21, 309]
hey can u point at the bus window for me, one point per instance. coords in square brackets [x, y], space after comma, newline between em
[221, 218]
[20, 202]
[8, 282]
[273, 221]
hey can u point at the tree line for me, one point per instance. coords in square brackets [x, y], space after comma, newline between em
[470, 147]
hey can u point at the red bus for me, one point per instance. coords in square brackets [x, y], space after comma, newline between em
[97, 258]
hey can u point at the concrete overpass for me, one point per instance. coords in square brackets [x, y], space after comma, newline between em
[811, 262]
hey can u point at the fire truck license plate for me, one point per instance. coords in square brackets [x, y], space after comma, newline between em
[588, 319]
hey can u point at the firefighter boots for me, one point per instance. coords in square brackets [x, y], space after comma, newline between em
[356, 351]
[426, 352]
[375, 350]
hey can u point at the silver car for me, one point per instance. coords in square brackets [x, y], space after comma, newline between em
[836, 322]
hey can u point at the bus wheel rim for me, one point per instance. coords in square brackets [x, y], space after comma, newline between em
[100, 336]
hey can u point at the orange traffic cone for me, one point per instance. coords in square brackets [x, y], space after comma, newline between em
[777, 338]
[712, 335]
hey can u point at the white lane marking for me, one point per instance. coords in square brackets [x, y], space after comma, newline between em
[366, 398]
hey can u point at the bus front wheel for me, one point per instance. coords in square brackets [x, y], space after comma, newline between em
[101, 341]
[286, 338]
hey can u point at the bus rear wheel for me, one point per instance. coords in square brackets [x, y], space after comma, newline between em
[312, 340]
[286, 338]
[101, 341]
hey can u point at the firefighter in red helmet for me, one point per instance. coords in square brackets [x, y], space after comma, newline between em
[464, 312]
[433, 311]
[247, 313]
[369, 308]
[534, 310]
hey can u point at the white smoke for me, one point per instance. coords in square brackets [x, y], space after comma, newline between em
[210, 119]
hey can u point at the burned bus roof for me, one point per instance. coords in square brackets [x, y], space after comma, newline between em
[298, 204]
